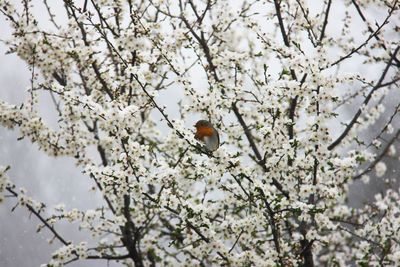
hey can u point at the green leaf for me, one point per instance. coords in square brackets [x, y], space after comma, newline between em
[285, 72]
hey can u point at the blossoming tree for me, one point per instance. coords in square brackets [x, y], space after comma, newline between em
[280, 80]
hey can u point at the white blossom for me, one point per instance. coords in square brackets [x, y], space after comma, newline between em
[290, 87]
[380, 169]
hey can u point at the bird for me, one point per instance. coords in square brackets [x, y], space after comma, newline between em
[206, 133]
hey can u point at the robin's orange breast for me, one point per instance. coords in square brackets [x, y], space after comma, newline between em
[203, 131]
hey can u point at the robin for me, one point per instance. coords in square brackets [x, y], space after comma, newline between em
[206, 133]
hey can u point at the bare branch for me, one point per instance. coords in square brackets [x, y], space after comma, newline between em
[366, 100]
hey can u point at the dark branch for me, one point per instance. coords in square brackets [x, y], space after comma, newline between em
[357, 115]
[379, 157]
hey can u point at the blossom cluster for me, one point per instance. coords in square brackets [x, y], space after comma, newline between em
[128, 81]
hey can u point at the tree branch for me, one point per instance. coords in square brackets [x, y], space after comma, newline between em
[357, 115]
[280, 20]
[37, 214]
[379, 157]
[372, 35]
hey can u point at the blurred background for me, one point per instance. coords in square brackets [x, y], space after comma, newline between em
[47, 179]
